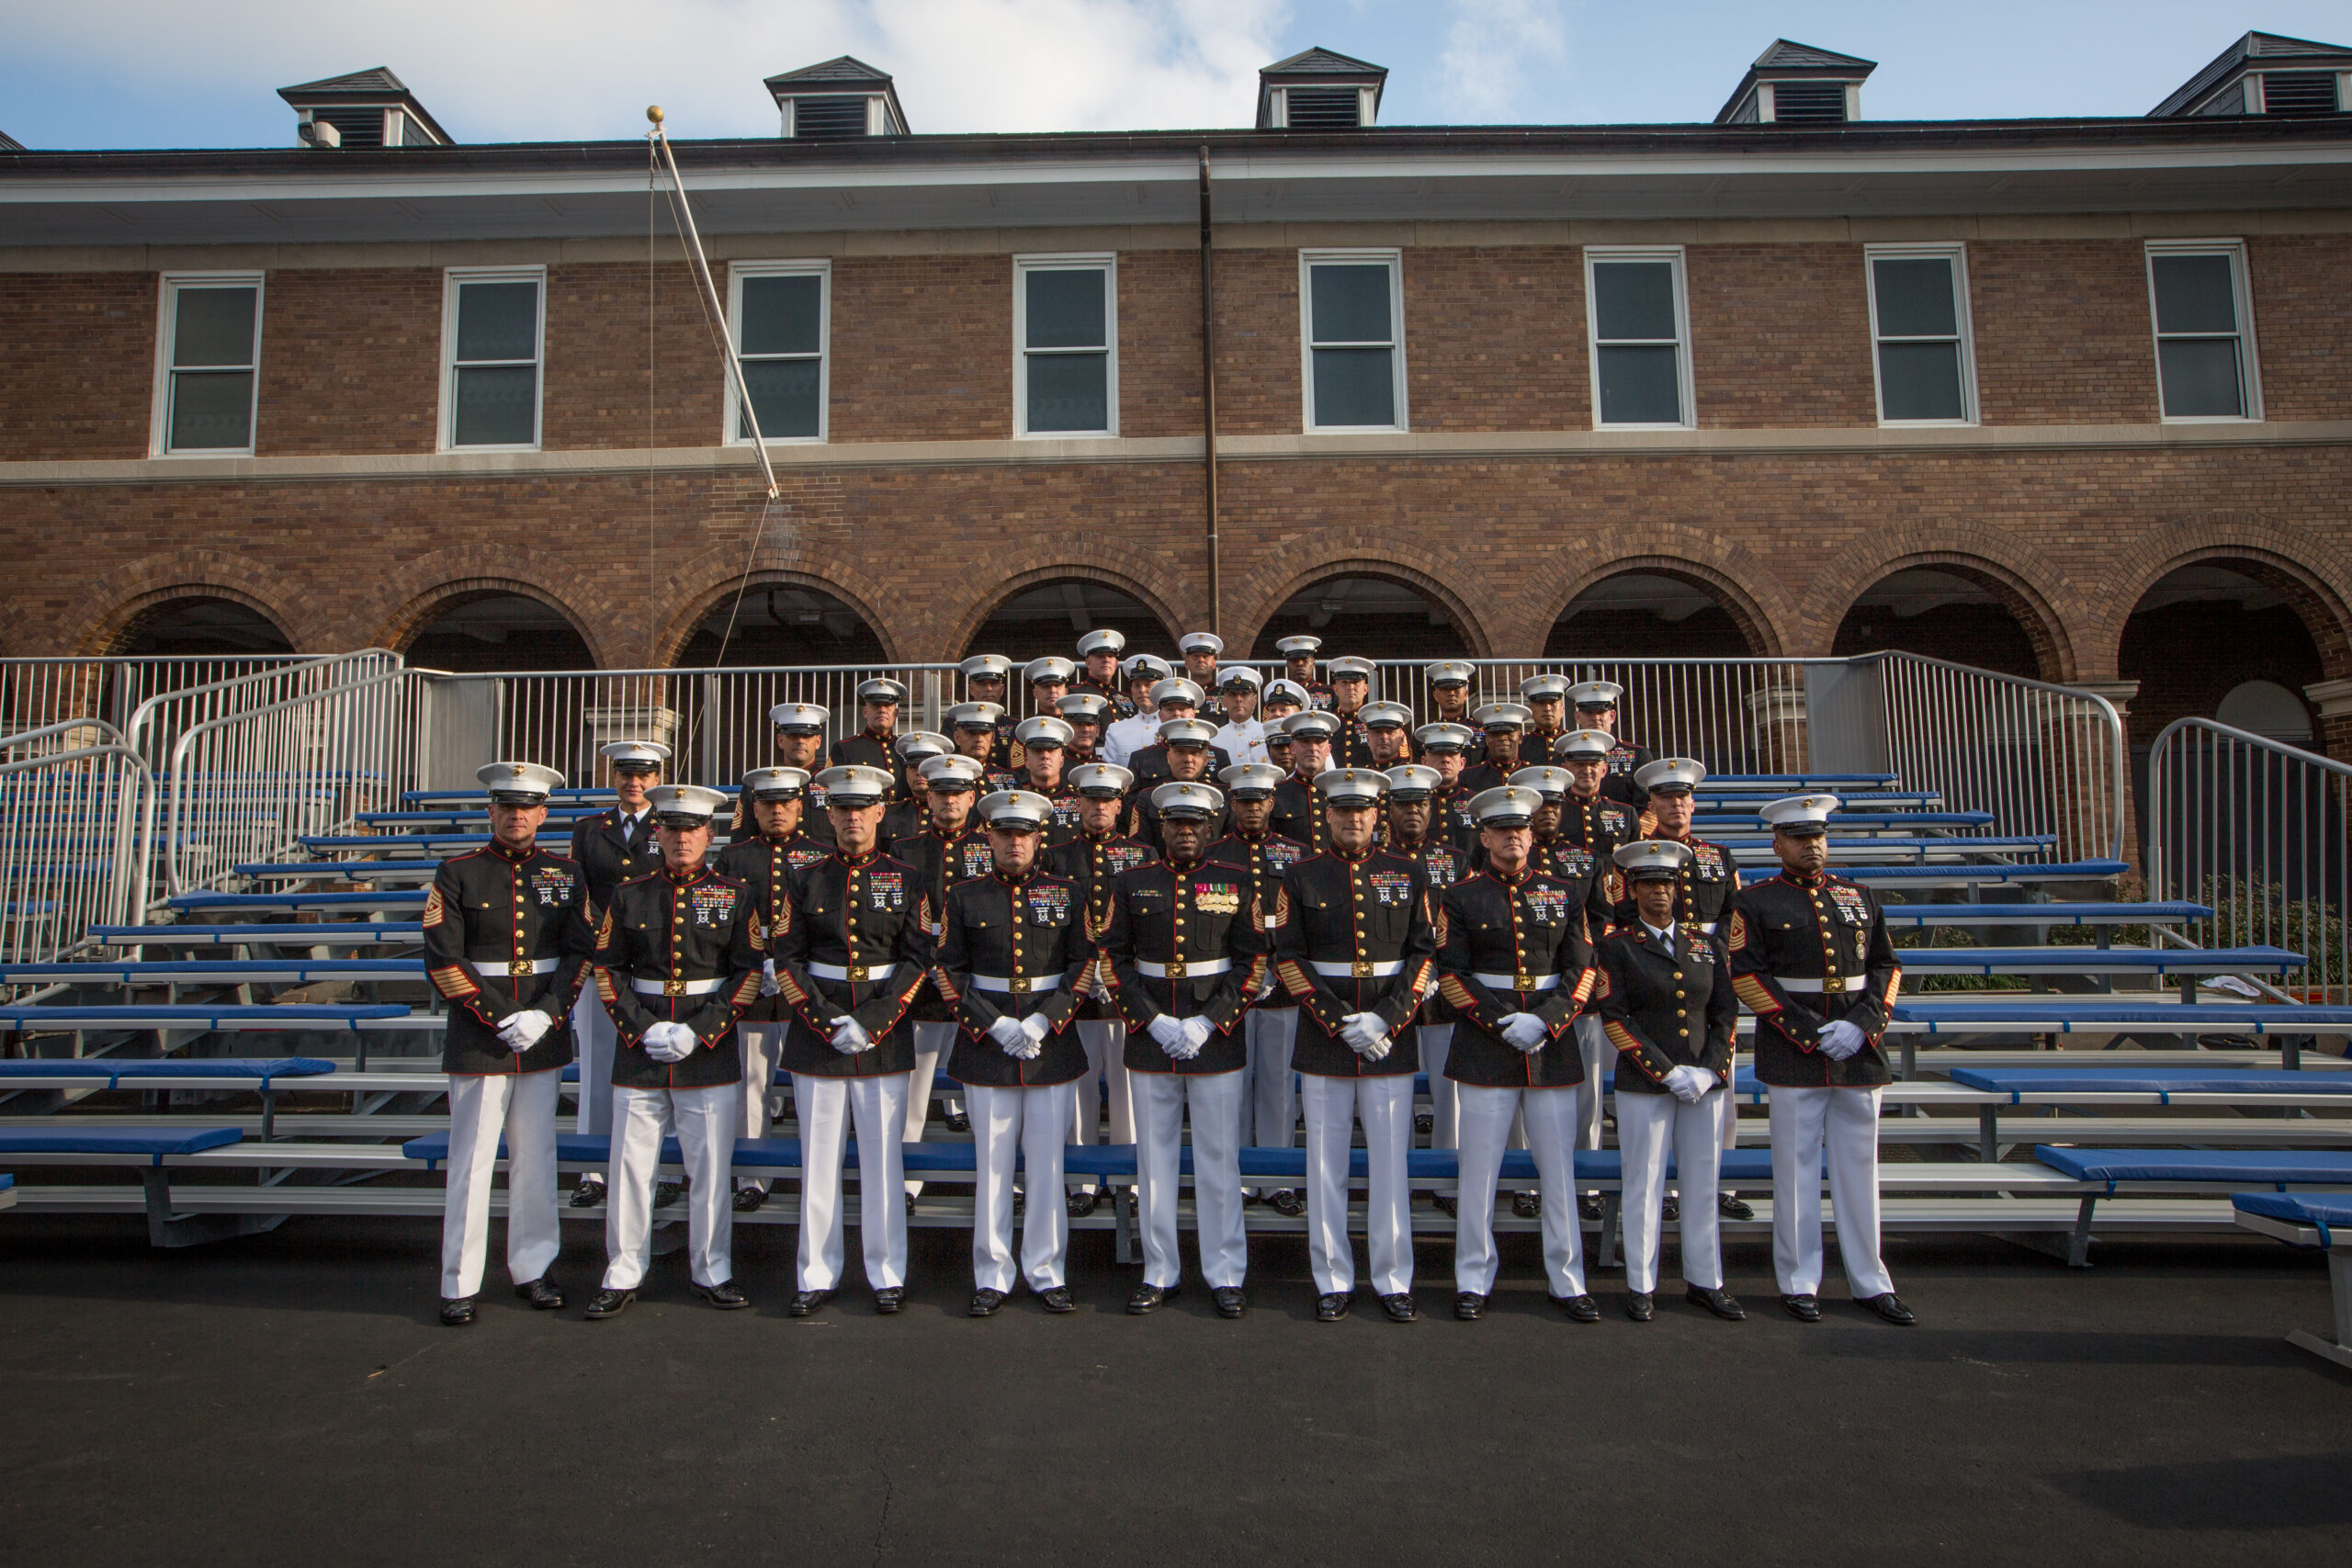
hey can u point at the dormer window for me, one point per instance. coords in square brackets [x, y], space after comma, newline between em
[1795, 83]
[1319, 91]
[841, 100]
[366, 109]
[2267, 75]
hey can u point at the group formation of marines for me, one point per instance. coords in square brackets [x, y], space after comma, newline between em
[1117, 898]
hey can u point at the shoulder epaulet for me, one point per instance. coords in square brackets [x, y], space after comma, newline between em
[719, 876]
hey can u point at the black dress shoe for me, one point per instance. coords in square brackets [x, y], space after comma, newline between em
[608, 1304]
[1399, 1306]
[1424, 1124]
[910, 1203]
[1732, 1207]
[1230, 1301]
[1717, 1301]
[1448, 1204]
[1890, 1308]
[1330, 1308]
[1251, 1199]
[1469, 1306]
[1020, 1200]
[1670, 1209]
[588, 1192]
[457, 1310]
[1639, 1306]
[667, 1192]
[889, 1299]
[1057, 1299]
[806, 1301]
[1084, 1203]
[748, 1198]
[958, 1121]
[542, 1294]
[726, 1295]
[1580, 1309]
[1804, 1308]
[1589, 1206]
[1527, 1205]
[985, 1304]
[1146, 1298]
[1288, 1203]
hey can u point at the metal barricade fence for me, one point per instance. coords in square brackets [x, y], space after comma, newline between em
[35, 693]
[156, 724]
[71, 795]
[2261, 833]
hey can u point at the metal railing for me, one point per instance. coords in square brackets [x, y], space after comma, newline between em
[71, 797]
[35, 692]
[2262, 832]
[156, 724]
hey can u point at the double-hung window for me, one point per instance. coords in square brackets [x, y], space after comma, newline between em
[1919, 328]
[2204, 315]
[207, 379]
[493, 330]
[1640, 323]
[1353, 302]
[1066, 345]
[781, 312]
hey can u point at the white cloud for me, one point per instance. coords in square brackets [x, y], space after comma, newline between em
[500, 69]
[1492, 48]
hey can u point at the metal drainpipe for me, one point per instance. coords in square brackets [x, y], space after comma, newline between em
[1208, 390]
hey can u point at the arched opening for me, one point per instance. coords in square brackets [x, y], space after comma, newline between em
[198, 627]
[2268, 709]
[1940, 612]
[2207, 629]
[779, 623]
[1366, 618]
[1049, 618]
[1647, 614]
[494, 631]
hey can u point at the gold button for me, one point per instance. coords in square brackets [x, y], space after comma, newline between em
[1685, 1033]
[1678, 996]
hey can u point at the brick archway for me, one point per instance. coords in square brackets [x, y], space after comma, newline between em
[1728, 573]
[404, 602]
[713, 576]
[1134, 584]
[2044, 599]
[125, 594]
[2301, 568]
[1364, 552]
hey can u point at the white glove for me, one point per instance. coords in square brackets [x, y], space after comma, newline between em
[1380, 1049]
[1007, 1031]
[1196, 1037]
[1363, 1032]
[1525, 1031]
[768, 987]
[1169, 1031]
[1689, 1085]
[1840, 1040]
[850, 1037]
[1035, 1027]
[669, 1041]
[523, 1030]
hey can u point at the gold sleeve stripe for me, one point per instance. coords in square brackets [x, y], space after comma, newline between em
[1894, 986]
[1585, 982]
[1457, 994]
[1620, 1036]
[1256, 979]
[451, 982]
[947, 987]
[789, 988]
[1738, 937]
[1756, 994]
[604, 986]
[434, 913]
[1294, 980]
[748, 992]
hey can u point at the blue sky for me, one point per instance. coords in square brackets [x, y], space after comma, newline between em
[166, 74]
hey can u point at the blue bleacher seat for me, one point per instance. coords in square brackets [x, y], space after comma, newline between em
[160, 1015]
[154, 1142]
[331, 933]
[218, 971]
[2031, 871]
[390, 898]
[2016, 1082]
[2042, 914]
[2086, 960]
[2279, 1168]
[259, 1070]
[2319, 1210]
[2110, 1015]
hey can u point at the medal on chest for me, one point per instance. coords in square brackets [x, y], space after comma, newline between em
[712, 906]
[885, 890]
[1122, 857]
[1049, 904]
[1707, 862]
[1546, 905]
[1390, 888]
[1216, 897]
[551, 884]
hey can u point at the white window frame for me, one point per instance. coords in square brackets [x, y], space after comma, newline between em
[159, 419]
[1394, 261]
[1963, 323]
[453, 279]
[822, 271]
[1686, 387]
[1105, 261]
[2242, 296]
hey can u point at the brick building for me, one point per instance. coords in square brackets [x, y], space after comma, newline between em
[2065, 398]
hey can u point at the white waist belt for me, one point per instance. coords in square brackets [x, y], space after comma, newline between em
[853, 972]
[1850, 983]
[674, 987]
[515, 968]
[1361, 969]
[1518, 982]
[1193, 970]
[1016, 985]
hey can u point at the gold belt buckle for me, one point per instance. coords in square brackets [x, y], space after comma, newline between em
[673, 987]
[1363, 968]
[856, 972]
[1526, 981]
[1017, 985]
[519, 967]
[1176, 970]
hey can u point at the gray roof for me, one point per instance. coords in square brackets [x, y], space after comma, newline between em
[10, 143]
[843, 69]
[1322, 63]
[1785, 55]
[378, 79]
[2268, 48]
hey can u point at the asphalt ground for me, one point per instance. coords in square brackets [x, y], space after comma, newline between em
[290, 1398]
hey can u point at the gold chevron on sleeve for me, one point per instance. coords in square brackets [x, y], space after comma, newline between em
[434, 913]
[1756, 994]
[1619, 1036]
[1738, 936]
[1894, 987]
[1457, 994]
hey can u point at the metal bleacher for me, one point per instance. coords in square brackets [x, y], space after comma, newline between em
[258, 901]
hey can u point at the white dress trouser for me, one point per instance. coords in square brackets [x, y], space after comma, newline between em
[933, 1043]
[1599, 1072]
[704, 1120]
[1549, 1115]
[521, 1106]
[762, 1044]
[1216, 1098]
[1649, 1128]
[592, 1036]
[1106, 1062]
[1445, 1106]
[1846, 1122]
[829, 1107]
[1028, 1123]
[1273, 1107]
[1334, 1105]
